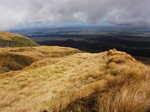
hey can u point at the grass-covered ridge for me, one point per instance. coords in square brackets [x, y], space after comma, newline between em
[15, 40]
[68, 80]
[17, 58]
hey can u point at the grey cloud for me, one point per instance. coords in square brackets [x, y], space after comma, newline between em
[17, 12]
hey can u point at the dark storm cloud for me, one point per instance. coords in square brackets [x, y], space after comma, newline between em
[16, 12]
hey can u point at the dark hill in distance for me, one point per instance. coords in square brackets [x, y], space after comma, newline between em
[134, 40]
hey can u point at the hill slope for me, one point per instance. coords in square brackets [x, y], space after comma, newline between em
[75, 83]
[14, 40]
[12, 59]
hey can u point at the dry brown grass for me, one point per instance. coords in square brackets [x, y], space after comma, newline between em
[15, 40]
[126, 88]
[82, 82]
[19, 58]
[8, 36]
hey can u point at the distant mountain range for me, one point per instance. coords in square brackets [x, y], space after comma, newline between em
[79, 27]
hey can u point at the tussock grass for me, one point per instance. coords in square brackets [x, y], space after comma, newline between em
[71, 81]
[19, 58]
[10, 61]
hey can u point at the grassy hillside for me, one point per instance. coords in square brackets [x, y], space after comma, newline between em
[58, 79]
[15, 40]
[17, 58]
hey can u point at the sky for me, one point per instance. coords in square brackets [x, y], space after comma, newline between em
[20, 13]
